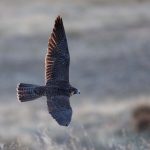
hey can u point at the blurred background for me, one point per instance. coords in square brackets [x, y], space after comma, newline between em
[109, 42]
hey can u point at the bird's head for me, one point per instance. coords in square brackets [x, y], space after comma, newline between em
[74, 91]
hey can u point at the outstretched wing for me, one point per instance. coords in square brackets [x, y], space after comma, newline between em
[57, 58]
[60, 109]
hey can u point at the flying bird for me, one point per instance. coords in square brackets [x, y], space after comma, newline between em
[57, 88]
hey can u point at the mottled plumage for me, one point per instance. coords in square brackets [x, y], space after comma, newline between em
[57, 88]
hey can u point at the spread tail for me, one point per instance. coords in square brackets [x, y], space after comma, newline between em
[29, 92]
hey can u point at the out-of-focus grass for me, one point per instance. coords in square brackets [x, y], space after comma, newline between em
[74, 140]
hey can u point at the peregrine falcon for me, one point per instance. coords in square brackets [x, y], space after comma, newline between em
[57, 88]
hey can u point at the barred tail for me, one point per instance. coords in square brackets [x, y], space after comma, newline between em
[29, 92]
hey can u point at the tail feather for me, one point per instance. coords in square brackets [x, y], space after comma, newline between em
[29, 92]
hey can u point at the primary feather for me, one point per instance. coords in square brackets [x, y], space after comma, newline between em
[57, 58]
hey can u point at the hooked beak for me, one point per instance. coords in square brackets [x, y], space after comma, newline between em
[78, 92]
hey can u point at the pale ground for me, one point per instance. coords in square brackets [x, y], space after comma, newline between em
[110, 51]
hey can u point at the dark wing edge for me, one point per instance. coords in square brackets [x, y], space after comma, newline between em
[56, 37]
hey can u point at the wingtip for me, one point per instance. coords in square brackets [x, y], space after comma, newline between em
[59, 17]
[58, 20]
[54, 35]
